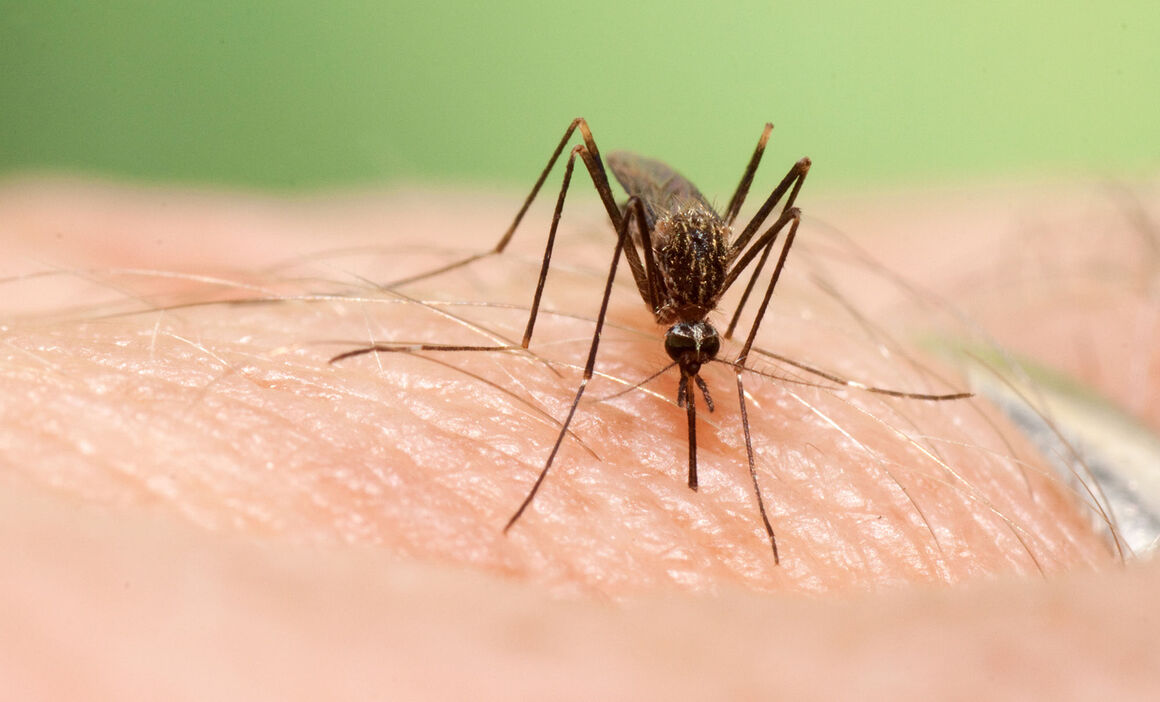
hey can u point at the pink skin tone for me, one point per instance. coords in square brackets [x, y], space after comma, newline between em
[184, 488]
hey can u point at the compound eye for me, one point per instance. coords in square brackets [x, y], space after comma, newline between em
[710, 345]
[678, 344]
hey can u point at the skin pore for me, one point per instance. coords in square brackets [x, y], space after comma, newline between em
[199, 470]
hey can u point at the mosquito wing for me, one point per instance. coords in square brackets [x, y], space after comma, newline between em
[660, 188]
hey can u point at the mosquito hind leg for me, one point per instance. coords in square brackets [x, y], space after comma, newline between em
[591, 158]
[590, 155]
[586, 133]
[600, 180]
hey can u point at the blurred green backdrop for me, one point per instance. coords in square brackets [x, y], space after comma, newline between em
[301, 93]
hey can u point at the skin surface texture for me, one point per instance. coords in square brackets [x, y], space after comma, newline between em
[196, 504]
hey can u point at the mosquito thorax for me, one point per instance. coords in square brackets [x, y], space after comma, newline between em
[693, 255]
[691, 344]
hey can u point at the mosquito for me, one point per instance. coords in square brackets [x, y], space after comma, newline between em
[683, 257]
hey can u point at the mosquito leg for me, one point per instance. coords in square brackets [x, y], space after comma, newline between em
[753, 465]
[591, 158]
[600, 180]
[547, 259]
[590, 154]
[594, 167]
[511, 230]
[602, 187]
[742, 190]
[656, 283]
[412, 348]
[765, 241]
[799, 170]
[795, 220]
[589, 366]
[765, 250]
[794, 179]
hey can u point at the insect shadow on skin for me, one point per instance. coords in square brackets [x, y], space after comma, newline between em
[683, 257]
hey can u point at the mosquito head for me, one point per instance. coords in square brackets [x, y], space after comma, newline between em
[692, 343]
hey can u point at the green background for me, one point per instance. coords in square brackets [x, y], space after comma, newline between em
[323, 94]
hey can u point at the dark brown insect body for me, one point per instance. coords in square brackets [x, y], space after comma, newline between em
[690, 246]
[689, 240]
[691, 257]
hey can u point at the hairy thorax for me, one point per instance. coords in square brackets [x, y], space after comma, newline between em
[692, 252]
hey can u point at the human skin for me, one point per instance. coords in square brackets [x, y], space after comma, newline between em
[198, 505]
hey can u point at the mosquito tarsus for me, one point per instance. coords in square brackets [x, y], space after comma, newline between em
[690, 259]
